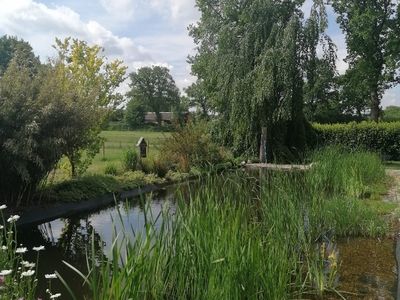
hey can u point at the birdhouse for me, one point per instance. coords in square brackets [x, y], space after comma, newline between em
[142, 144]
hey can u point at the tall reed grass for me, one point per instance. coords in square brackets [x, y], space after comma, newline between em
[244, 237]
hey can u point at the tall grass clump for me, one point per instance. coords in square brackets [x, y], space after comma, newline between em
[231, 239]
[130, 160]
[268, 236]
[337, 171]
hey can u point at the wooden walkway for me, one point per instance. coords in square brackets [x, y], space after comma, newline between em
[279, 167]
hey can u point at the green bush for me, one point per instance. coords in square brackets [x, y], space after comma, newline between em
[191, 146]
[111, 169]
[130, 160]
[155, 164]
[382, 138]
[82, 188]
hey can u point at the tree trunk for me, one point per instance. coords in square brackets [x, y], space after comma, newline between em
[263, 145]
[375, 109]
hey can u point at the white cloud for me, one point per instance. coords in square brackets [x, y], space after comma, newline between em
[122, 9]
[39, 24]
[176, 9]
[391, 97]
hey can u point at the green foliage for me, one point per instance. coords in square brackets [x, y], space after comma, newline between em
[111, 169]
[19, 50]
[198, 98]
[382, 138]
[83, 188]
[372, 30]
[132, 180]
[86, 83]
[391, 114]
[156, 164]
[191, 146]
[155, 88]
[130, 160]
[135, 113]
[252, 60]
[339, 172]
[30, 137]
[235, 239]
[176, 176]
[19, 278]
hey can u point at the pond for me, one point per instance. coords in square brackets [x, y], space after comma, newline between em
[367, 267]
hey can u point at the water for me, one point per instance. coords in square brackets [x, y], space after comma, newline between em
[68, 239]
[367, 267]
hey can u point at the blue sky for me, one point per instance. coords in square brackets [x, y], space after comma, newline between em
[140, 32]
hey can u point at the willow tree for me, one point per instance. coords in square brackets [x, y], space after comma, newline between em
[252, 58]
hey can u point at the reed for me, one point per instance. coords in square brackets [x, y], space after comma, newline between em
[245, 237]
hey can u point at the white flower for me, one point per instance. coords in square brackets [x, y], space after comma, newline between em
[21, 250]
[27, 273]
[3, 207]
[1, 227]
[55, 296]
[13, 219]
[4, 247]
[5, 272]
[50, 276]
[27, 264]
[40, 248]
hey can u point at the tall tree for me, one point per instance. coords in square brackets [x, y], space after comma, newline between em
[251, 57]
[198, 98]
[372, 29]
[12, 47]
[154, 87]
[87, 84]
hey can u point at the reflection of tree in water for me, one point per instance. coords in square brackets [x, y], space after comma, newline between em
[78, 238]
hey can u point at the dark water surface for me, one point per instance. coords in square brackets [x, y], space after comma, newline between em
[68, 239]
[367, 267]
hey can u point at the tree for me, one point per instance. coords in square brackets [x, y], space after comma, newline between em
[12, 47]
[372, 29]
[251, 57]
[198, 98]
[154, 87]
[135, 113]
[87, 86]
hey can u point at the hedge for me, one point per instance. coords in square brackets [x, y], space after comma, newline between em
[383, 138]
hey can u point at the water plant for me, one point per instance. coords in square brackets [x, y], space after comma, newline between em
[265, 236]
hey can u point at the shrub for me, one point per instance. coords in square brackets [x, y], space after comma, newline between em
[382, 138]
[177, 176]
[155, 164]
[130, 160]
[82, 188]
[110, 169]
[131, 180]
[191, 146]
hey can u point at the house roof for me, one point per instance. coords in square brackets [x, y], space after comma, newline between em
[141, 140]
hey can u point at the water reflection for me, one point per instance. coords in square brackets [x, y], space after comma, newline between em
[71, 239]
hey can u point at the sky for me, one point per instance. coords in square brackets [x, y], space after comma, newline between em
[140, 32]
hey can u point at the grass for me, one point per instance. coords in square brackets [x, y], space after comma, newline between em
[236, 239]
[116, 144]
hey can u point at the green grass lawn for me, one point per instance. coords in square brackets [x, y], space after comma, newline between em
[117, 142]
